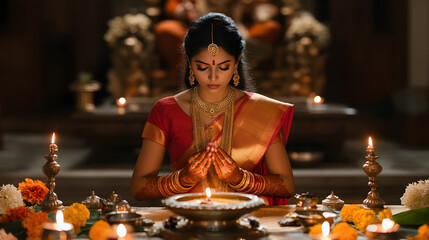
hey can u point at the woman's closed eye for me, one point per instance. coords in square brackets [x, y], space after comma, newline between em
[201, 68]
[224, 68]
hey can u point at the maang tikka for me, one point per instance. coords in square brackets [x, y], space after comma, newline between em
[213, 48]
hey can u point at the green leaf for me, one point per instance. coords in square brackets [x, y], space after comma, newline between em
[413, 217]
[93, 217]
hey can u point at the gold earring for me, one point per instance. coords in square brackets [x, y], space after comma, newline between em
[236, 78]
[191, 76]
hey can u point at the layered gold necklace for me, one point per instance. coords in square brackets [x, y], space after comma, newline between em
[201, 108]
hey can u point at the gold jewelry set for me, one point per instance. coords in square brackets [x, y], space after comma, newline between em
[213, 49]
[169, 185]
[201, 108]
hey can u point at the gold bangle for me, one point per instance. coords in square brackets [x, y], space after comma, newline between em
[248, 184]
[161, 185]
[242, 182]
[176, 182]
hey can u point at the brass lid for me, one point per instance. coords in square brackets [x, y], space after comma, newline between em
[333, 201]
[93, 202]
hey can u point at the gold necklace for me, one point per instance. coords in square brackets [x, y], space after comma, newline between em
[213, 109]
[201, 137]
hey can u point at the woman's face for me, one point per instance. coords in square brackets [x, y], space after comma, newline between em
[213, 73]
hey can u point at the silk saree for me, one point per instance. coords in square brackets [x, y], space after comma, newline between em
[259, 121]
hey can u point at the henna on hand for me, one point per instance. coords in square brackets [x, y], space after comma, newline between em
[226, 168]
[196, 169]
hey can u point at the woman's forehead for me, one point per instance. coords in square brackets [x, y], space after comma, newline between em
[205, 56]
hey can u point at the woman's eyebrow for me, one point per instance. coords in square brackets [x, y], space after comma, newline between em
[199, 61]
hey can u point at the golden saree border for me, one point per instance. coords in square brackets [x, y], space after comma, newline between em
[254, 129]
[154, 133]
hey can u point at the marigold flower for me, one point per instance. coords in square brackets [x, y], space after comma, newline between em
[76, 214]
[34, 224]
[100, 230]
[386, 213]
[316, 229]
[33, 191]
[344, 231]
[423, 233]
[348, 210]
[364, 217]
[15, 214]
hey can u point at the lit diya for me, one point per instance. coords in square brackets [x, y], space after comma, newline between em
[212, 216]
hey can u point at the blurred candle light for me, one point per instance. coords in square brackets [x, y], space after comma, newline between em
[121, 231]
[318, 100]
[325, 230]
[121, 102]
[53, 138]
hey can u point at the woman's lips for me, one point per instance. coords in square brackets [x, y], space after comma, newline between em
[212, 86]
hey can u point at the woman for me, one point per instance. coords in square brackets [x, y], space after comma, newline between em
[217, 135]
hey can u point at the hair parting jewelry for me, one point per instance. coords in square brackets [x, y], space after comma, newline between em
[169, 185]
[213, 48]
[236, 77]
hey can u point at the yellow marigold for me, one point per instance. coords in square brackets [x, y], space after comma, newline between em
[33, 191]
[423, 233]
[344, 231]
[15, 214]
[33, 223]
[347, 212]
[363, 218]
[316, 229]
[386, 213]
[100, 230]
[76, 214]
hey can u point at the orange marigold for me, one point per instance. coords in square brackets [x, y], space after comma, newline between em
[423, 233]
[344, 231]
[33, 191]
[316, 229]
[34, 224]
[100, 230]
[15, 214]
[348, 210]
[386, 213]
[363, 218]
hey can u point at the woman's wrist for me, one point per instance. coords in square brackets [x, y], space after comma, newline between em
[182, 180]
[236, 181]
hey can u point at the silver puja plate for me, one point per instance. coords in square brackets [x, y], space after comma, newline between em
[215, 219]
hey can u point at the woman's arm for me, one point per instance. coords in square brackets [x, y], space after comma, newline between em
[144, 183]
[280, 181]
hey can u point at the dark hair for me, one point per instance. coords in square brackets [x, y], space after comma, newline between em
[226, 36]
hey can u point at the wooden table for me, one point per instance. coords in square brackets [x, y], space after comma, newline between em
[268, 216]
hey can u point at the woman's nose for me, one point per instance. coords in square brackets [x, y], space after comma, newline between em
[212, 74]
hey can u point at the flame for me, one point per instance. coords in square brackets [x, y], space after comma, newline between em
[317, 99]
[208, 193]
[325, 228]
[121, 230]
[370, 141]
[121, 101]
[53, 138]
[387, 224]
[60, 218]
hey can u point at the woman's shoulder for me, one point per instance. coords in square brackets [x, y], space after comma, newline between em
[259, 98]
